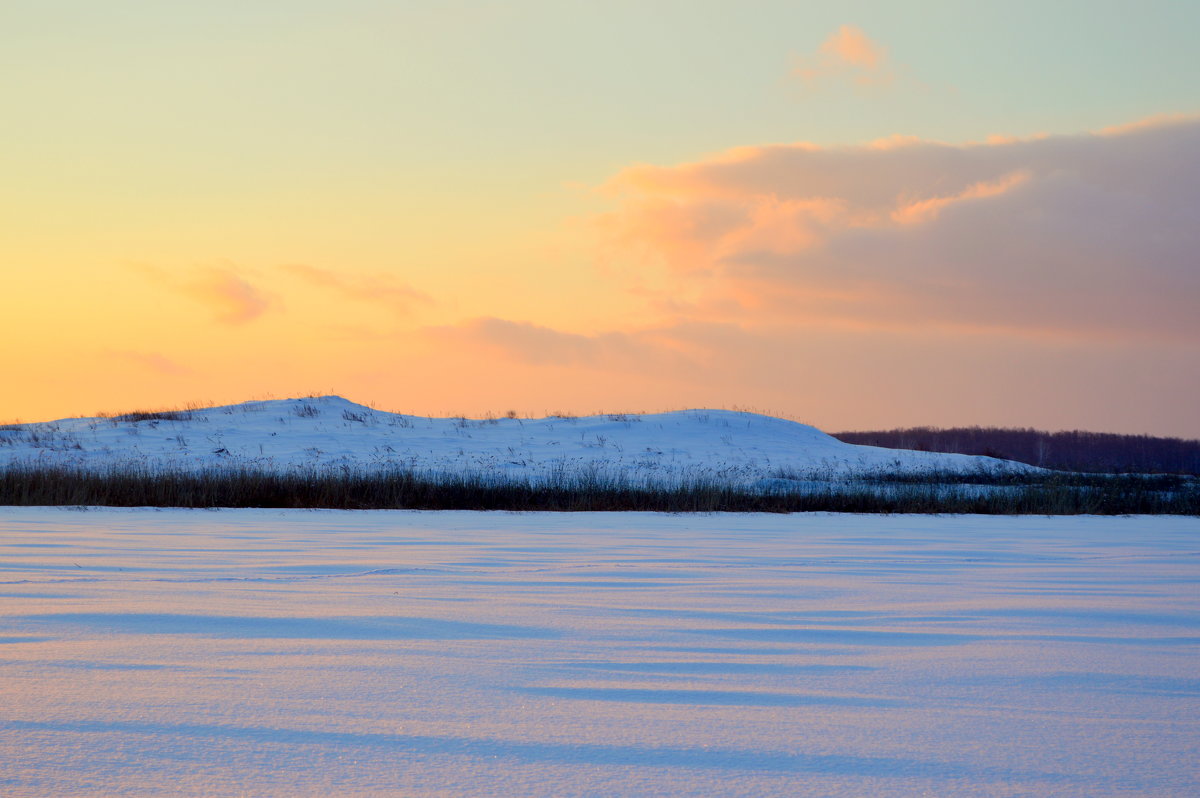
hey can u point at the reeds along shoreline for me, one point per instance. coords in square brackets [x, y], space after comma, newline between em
[1055, 494]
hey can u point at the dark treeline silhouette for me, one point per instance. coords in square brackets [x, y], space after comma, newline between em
[1065, 451]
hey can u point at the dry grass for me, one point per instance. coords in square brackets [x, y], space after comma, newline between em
[349, 489]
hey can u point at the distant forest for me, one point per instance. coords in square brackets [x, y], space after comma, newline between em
[1064, 451]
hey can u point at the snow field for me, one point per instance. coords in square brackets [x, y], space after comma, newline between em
[256, 652]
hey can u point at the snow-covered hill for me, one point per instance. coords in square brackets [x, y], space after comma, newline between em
[331, 432]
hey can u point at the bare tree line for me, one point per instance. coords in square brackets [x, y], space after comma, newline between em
[1066, 451]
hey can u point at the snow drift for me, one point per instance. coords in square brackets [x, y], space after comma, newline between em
[330, 432]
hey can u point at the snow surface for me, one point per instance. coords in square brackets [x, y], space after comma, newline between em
[333, 432]
[315, 653]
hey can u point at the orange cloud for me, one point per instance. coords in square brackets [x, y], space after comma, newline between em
[852, 46]
[927, 209]
[1065, 235]
[153, 361]
[828, 374]
[638, 351]
[234, 299]
[848, 54]
[380, 288]
[230, 296]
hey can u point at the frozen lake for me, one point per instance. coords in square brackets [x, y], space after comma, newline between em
[258, 652]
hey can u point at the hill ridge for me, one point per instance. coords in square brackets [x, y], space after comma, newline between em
[334, 432]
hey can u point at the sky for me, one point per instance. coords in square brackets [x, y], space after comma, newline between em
[858, 215]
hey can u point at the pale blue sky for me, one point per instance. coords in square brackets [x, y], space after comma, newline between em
[575, 89]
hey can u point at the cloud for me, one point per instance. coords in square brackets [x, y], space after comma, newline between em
[1049, 281]
[841, 377]
[638, 351]
[1071, 235]
[233, 298]
[227, 293]
[380, 288]
[152, 361]
[847, 55]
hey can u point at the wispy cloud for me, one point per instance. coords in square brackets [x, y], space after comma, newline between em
[152, 361]
[641, 350]
[848, 55]
[383, 289]
[224, 290]
[232, 297]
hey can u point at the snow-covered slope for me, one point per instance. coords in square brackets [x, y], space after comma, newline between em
[331, 432]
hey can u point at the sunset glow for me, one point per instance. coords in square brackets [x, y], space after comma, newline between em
[859, 218]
